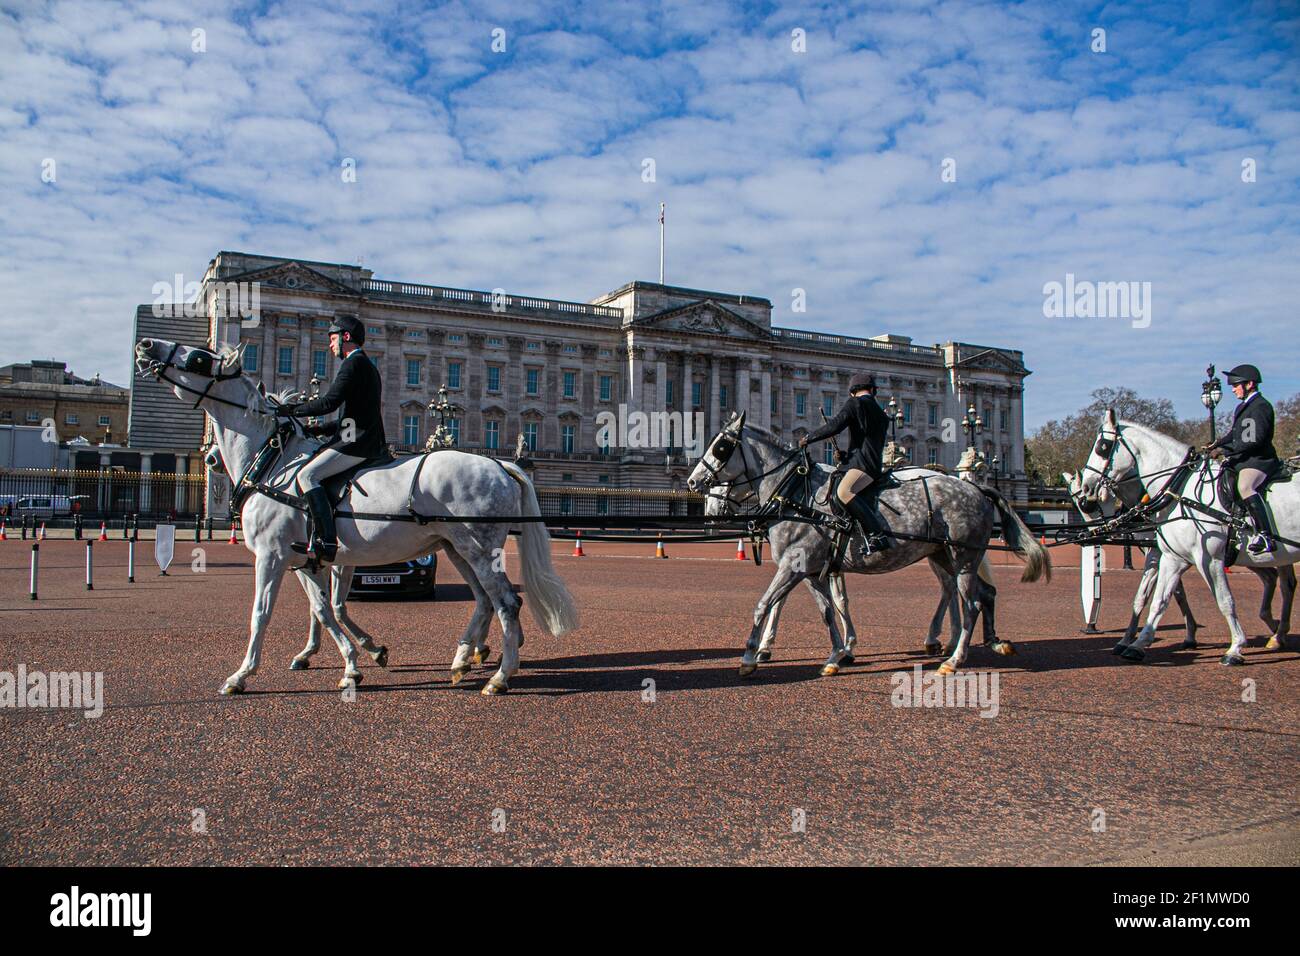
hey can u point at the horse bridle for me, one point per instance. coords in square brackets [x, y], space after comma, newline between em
[198, 362]
[722, 448]
[1105, 448]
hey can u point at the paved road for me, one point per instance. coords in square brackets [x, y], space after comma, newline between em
[584, 769]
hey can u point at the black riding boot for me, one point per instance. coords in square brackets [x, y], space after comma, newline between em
[1263, 542]
[323, 543]
[873, 527]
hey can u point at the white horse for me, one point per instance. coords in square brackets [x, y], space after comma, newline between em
[1193, 533]
[466, 491]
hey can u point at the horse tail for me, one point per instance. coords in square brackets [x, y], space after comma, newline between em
[1038, 563]
[549, 600]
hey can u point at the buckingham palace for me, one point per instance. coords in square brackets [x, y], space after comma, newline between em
[553, 371]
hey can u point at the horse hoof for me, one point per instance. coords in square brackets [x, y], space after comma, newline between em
[747, 670]
[847, 659]
[1232, 660]
[830, 670]
[231, 688]
[946, 668]
[1133, 654]
[1005, 648]
[299, 665]
[1273, 644]
[764, 656]
[934, 650]
[1190, 645]
[479, 656]
[349, 680]
[382, 657]
[458, 674]
[494, 688]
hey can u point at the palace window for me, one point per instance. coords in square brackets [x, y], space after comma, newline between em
[411, 429]
[567, 433]
[722, 396]
[697, 394]
[250, 358]
[71, 419]
[533, 346]
[571, 349]
[494, 342]
[828, 405]
[413, 372]
[453, 375]
[492, 434]
[932, 455]
[105, 421]
[494, 378]
[533, 375]
[606, 387]
[668, 392]
[455, 337]
[773, 408]
[318, 363]
[828, 456]
[801, 404]
[1003, 419]
[570, 384]
[285, 365]
[530, 436]
[907, 413]
[453, 426]
[33, 416]
[932, 416]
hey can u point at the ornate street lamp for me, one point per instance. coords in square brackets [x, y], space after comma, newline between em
[972, 425]
[895, 419]
[444, 407]
[995, 470]
[1211, 392]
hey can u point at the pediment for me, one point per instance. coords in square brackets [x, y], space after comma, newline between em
[704, 317]
[293, 276]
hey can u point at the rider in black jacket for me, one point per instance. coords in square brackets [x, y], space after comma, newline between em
[1248, 447]
[356, 436]
[867, 424]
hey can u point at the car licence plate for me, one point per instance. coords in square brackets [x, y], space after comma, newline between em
[380, 578]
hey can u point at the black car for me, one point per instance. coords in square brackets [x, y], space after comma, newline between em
[414, 578]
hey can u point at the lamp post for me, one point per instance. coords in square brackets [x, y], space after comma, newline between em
[895, 419]
[1211, 392]
[442, 436]
[995, 470]
[972, 425]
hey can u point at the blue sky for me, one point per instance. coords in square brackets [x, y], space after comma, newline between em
[782, 170]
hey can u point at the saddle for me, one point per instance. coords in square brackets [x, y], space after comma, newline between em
[337, 486]
[1282, 472]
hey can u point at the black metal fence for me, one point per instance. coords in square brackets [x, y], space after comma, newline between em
[99, 494]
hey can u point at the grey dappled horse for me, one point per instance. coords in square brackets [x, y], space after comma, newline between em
[949, 607]
[1190, 536]
[751, 463]
[451, 484]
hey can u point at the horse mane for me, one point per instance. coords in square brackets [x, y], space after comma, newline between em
[767, 436]
[1168, 442]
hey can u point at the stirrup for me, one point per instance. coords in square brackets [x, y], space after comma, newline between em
[1261, 544]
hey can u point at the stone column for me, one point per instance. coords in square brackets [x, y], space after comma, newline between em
[587, 376]
[661, 381]
[765, 394]
[476, 374]
[513, 388]
[635, 381]
[550, 437]
[742, 389]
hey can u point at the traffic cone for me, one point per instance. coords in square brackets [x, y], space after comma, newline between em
[577, 546]
[103, 531]
[740, 549]
[659, 547]
[233, 539]
[3, 536]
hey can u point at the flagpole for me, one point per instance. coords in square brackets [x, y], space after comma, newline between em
[661, 243]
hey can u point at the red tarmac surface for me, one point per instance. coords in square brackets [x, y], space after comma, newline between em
[586, 771]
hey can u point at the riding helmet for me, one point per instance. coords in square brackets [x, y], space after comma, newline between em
[1244, 373]
[349, 323]
[861, 380]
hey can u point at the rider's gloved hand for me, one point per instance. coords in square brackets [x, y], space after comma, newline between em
[285, 411]
[803, 441]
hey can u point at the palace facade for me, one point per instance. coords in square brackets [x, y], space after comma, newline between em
[547, 369]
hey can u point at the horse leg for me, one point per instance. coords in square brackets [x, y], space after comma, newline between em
[1269, 577]
[840, 597]
[826, 605]
[782, 583]
[1286, 577]
[341, 584]
[967, 578]
[268, 573]
[987, 599]
[769, 630]
[320, 605]
[947, 609]
[1171, 568]
[303, 660]
[1189, 620]
[507, 605]
[1212, 569]
[1146, 585]
[472, 648]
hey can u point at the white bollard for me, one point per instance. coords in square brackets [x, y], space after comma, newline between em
[1090, 568]
[90, 566]
[35, 565]
[130, 562]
